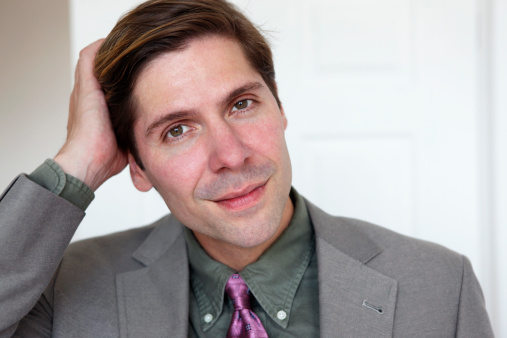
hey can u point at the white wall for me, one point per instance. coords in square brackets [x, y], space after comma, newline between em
[421, 117]
[35, 83]
[498, 99]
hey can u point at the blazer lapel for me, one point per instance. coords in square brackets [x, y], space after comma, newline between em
[153, 301]
[355, 300]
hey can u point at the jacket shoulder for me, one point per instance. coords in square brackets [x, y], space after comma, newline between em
[354, 236]
[396, 255]
[113, 253]
[391, 242]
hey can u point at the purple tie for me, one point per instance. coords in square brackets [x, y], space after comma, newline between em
[244, 322]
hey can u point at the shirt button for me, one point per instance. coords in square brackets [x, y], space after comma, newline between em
[208, 318]
[281, 315]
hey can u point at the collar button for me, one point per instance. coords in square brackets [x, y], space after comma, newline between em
[281, 315]
[208, 318]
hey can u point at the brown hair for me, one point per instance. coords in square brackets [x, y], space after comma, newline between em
[160, 26]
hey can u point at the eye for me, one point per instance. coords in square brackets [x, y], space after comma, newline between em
[241, 105]
[178, 130]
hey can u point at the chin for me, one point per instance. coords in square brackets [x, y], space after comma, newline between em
[252, 235]
[249, 242]
[258, 229]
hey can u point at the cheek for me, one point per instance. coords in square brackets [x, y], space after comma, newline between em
[266, 137]
[176, 175]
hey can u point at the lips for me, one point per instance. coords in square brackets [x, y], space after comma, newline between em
[242, 199]
[242, 192]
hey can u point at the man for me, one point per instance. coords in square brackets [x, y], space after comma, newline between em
[184, 92]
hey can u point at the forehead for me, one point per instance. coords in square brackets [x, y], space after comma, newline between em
[207, 69]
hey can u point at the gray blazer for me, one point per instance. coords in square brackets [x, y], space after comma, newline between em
[372, 282]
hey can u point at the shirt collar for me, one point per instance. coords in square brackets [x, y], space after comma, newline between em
[273, 279]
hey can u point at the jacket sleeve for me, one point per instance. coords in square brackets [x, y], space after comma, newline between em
[473, 320]
[36, 227]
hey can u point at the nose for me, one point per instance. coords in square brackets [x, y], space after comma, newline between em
[226, 148]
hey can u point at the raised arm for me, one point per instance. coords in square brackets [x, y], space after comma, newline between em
[90, 152]
[36, 225]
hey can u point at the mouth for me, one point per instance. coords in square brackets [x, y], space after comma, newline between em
[244, 198]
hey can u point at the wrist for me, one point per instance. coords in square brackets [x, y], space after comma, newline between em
[90, 164]
[79, 167]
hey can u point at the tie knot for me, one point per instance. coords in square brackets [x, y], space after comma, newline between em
[238, 292]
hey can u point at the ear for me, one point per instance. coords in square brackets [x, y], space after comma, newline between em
[285, 122]
[139, 178]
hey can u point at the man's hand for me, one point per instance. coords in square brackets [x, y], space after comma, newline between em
[90, 152]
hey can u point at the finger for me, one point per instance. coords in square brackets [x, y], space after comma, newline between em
[84, 68]
[91, 49]
[86, 56]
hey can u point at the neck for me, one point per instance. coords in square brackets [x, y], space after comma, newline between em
[237, 257]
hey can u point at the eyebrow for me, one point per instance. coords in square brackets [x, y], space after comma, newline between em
[191, 113]
[243, 89]
[168, 118]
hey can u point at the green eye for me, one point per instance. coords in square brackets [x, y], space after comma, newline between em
[177, 131]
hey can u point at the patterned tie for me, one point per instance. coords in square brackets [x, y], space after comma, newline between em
[244, 322]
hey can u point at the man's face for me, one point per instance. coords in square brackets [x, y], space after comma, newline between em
[211, 137]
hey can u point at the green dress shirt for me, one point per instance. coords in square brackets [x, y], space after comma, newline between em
[283, 281]
[51, 176]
